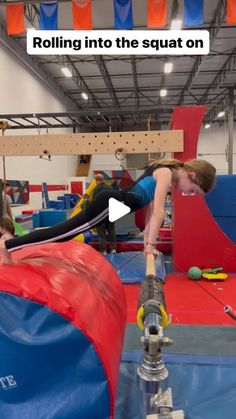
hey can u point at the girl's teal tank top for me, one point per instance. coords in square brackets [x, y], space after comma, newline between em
[144, 190]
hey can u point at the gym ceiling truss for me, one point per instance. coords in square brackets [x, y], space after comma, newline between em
[120, 107]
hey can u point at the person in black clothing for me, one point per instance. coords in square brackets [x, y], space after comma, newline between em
[193, 177]
[86, 202]
[106, 227]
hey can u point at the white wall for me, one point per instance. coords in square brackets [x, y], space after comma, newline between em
[22, 93]
[105, 162]
[212, 145]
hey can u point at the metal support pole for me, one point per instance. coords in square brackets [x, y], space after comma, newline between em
[230, 131]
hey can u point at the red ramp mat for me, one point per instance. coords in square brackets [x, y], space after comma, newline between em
[131, 295]
[190, 302]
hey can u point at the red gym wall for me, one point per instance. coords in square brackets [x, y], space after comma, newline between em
[197, 238]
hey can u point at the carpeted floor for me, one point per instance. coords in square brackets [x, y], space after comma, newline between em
[191, 302]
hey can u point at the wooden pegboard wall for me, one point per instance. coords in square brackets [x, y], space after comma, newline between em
[92, 143]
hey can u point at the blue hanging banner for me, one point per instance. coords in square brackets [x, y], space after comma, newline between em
[193, 12]
[123, 14]
[48, 16]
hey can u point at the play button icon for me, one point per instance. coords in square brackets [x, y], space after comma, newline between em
[117, 210]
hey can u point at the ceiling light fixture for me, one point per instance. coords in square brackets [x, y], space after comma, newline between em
[221, 114]
[66, 71]
[163, 92]
[84, 95]
[206, 126]
[168, 67]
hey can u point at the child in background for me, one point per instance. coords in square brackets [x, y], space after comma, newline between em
[7, 228]
[6, 202]
[85, 202]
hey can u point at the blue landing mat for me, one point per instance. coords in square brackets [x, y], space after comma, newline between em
[203, 386]
[131, 266]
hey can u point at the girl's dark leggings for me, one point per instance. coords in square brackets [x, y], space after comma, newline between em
[96, 212]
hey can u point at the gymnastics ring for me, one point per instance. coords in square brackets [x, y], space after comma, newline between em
[120, 154]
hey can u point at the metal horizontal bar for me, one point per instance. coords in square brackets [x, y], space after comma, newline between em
[92, 112]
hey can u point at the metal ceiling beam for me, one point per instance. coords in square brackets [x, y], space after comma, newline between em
[31, 14]
[45, 60]
[128, 110]
[135, 79]
[153, 88]
[221, 105]
[216, 23]
[106, 77]
[32, 65]
[148, 75]
[173, 15]
[212, 100]
[149, 99]
[100, 125]
[91, 112]
[192, 75]
[107, 123]
[229, 65]
[212, 114]
[125, 98]
[80, 82]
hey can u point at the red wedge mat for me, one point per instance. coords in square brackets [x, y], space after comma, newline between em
[190, 302]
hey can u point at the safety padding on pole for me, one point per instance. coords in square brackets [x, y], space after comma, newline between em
[62, 322]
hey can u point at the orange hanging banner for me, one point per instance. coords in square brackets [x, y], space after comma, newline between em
[156, 13]
[82, 14]
[15, 19]
[231, 12]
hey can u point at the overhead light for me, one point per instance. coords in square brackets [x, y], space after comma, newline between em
[176, 24]
[221, 114]
[168, 67]
[163, 92]
[84, 95]
[206, 126]
[31, 29]
[66, 71]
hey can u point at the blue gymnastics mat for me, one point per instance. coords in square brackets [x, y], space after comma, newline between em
[203, 386]
[222, 204]
[131, 266]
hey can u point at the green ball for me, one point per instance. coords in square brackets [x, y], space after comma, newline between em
[194, 273]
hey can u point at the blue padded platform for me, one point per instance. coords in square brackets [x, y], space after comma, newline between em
[203, 386]
[131, 266]
[222, 204]
[49, 217]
